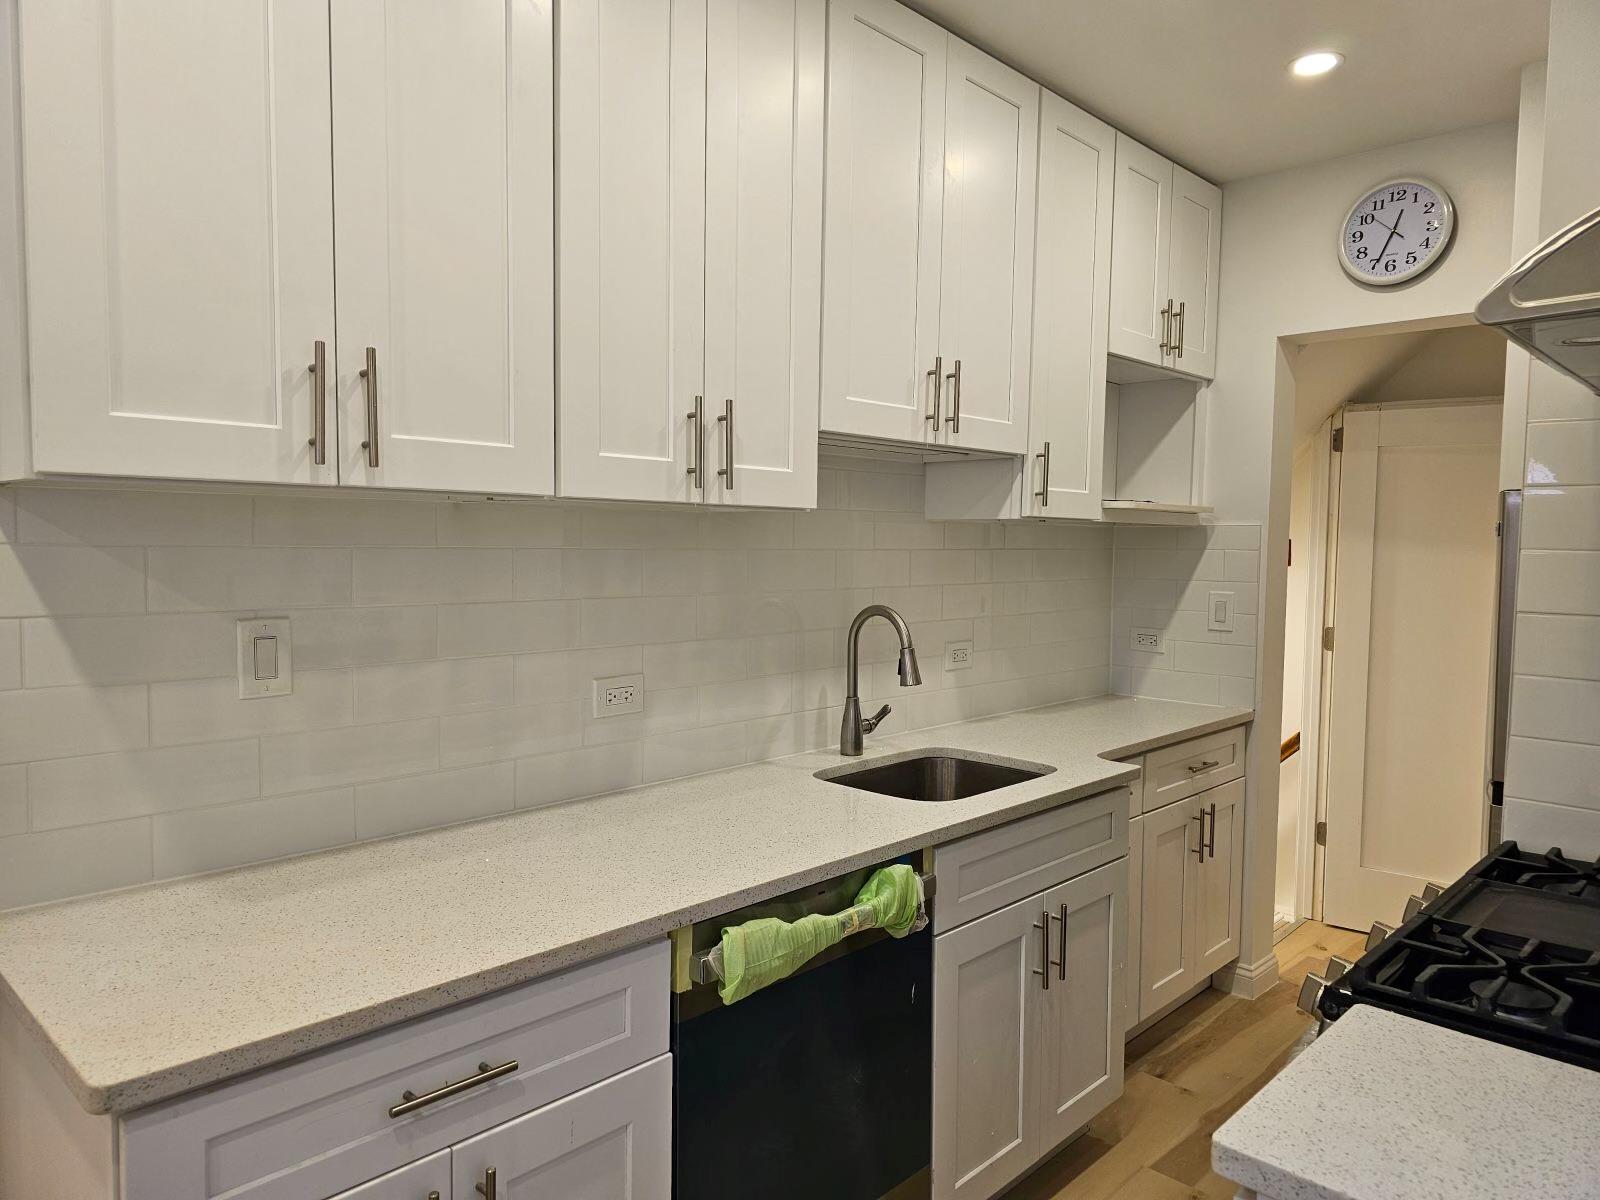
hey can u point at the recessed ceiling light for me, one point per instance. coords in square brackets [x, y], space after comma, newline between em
[1318, 62]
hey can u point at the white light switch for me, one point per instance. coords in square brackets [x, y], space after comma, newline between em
[265, 667]
[1220, 613]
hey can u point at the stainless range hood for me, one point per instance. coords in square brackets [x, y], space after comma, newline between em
[1549, 303]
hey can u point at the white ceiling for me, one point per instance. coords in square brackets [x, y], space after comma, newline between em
[1207, 82]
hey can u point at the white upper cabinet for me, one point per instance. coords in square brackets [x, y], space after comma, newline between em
[1072, 271]
[690, 249]
[1165, 259]
[179, 217]
[986, 271]
[764, 127]
[631, 257]
[442, 169]
[885, 195]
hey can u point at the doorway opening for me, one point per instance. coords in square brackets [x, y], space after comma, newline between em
[1390, 620]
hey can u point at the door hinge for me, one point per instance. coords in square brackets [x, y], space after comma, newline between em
[1327, 637]
[1338, 440]
[1322, 833]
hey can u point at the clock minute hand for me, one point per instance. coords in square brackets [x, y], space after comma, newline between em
[1378, 262]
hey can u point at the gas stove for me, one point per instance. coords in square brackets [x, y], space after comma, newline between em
[1510, 952]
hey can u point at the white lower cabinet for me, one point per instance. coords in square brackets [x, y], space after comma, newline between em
[1027, 1030]
[427, 1179]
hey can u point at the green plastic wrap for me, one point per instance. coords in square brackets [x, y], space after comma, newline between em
[764, 951]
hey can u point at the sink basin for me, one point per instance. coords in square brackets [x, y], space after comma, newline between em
[934, 775]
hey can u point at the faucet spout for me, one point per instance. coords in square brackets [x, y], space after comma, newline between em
[853, 727]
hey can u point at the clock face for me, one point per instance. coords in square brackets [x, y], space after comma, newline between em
[1396, 232]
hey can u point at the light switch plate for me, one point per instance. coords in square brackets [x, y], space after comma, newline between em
[1147, 641]
[618, 694]
[958, 656]
[1219, 612]
[266, 659]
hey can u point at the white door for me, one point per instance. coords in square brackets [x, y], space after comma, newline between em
[179, 207]
[1195, 261]
[1141, 231]
[1219, 882]
[443, 128]
[612, 1141]
[1413, 622]
[985, 1103]
[631, 251]
[1072, 281]
[885, 192]
[1167, 967]
[764, 126]
[426, 1179]
[1080, 1027]
[986, 272]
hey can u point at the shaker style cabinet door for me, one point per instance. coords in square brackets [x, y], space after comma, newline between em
[1220, 887]
[1167, 941]
[631, 252]
[985, 1012]
[427, 1179]
[1141, 234]
[612, 1141]
[1072, 281]
[178, 194]
[1080, 1039]
[885, 189]
[986, 265]
[1196, 258]
[442, 166]
[764, 127]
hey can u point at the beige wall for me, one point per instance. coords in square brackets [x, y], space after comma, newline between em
[1280, 279]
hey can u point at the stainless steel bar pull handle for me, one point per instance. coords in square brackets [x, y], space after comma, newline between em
[1062, 965]
[1043, 494]
[697, 442]
[1209, 764]
[369, 379]
[1182, 322]
[726, 421]
[319, 403]
[1166, 328]
[410, 1102]
[433, 1196]
[490, 1184]
[1043, 924]
[1211, 835]
[937, 375]
[955, 398]
[1199, 850]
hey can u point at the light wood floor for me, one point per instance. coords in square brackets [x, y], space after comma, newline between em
[1185, 1076]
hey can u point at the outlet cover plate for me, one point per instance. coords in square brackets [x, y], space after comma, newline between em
[958, 656]
[266, 661]
[1147, 641]
[618, 694]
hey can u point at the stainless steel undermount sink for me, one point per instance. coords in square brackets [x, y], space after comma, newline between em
[934, 775]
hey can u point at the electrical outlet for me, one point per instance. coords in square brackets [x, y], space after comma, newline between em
[618, 694]
[1219, 615]
[1148, 641]
[958, 656]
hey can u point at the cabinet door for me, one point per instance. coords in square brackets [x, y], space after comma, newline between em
[764, 122]
[1079, 1046]
[885, 194]
[427, 1179]
[612, 1141]
[985, 1012]
[1072, 283]
[1196, 257]
[1141, 231]
[179, 207]
[631, 252]
[986, 272]
[1131, 960]
[443, 136]
[1167, 941]
[1220, 887]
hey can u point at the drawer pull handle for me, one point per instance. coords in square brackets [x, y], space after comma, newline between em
[410, 1102]
[1210, 764]
[1062, 965]
[433, 1196]
[1043, 925]
[488, 1188]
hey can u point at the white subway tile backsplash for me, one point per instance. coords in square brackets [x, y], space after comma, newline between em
[358, 521]
[500, 733]
[104, 517]
[1564, 452]
[1209, 658]
[572, 774]
[570, 674]
[105, 787]
[691, 751]
[55, 722]
[681, 664]
[427, 689]
[636, 620]
[58, 863]
[1561, 518]
[521, 627]
[325, 758]
[38, 581]
[1576, 831]
[10, 654]
[209, 710]
[510, 523]
[1564, 646]
[205, 839]
[1553, 772]
[432, 576]
[128, 649]
[1566, 710]
[349, 637]
[13, 800]
[420, 801]
[744, 699]
[1559, 581]
[197, 579]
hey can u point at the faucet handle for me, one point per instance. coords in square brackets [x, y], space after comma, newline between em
[868, 724]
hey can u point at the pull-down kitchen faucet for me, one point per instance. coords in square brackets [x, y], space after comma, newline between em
[854, 724]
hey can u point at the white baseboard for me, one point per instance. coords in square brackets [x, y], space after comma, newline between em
[1247, 980]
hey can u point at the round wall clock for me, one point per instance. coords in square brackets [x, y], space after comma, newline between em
[1396, 231]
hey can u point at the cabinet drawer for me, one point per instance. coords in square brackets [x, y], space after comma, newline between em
[1177, 772]
[322, 1124]
[989, 870]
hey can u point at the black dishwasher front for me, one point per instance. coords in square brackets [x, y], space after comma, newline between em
[818, 1087]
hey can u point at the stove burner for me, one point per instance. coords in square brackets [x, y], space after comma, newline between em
[1511, 999]
[1551, 872]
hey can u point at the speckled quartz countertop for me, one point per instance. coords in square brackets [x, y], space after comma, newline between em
[1386, 1107]
[143, 994]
